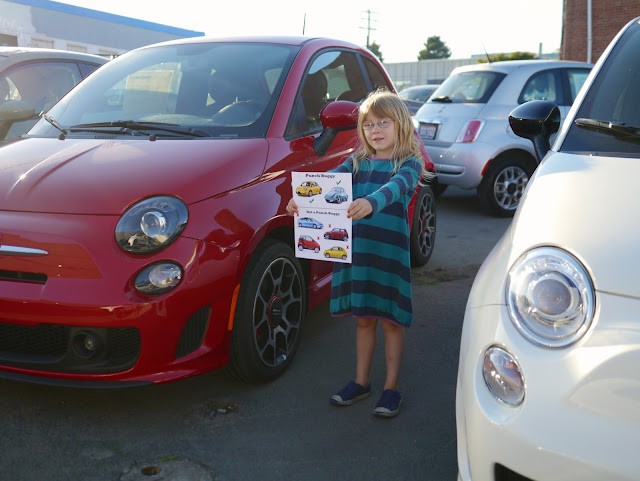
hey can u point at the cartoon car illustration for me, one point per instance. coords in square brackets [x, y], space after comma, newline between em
[310, 222]
[309, 188]
[337, 233]
[337, 195]
[336, 252]
[307, 242]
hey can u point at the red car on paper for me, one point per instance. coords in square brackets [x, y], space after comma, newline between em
[143, 230]
[307, 242]
[337, 233]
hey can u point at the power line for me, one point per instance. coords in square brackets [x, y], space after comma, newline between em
[368, 28]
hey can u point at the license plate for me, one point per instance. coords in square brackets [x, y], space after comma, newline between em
[428, 131]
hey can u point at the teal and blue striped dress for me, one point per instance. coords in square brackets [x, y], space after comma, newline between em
[377, 283]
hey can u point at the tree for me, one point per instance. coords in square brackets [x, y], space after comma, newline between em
[375, 49]
[500, 57]
[434, 48]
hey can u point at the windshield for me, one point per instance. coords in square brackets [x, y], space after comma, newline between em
[608, 119]
[195, 90]
[474, 87]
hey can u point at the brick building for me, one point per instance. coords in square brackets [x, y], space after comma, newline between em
[605, 19]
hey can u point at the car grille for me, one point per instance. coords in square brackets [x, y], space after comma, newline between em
[193, 332]
[52, 347]
[23, 277]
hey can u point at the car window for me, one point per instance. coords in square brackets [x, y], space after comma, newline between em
[608, 118]
[468, 87]
[576, 78]
[378, 79]
[333, 75]
[40, 84]
[541, 86]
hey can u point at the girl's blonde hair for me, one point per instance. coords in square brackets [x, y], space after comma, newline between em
[385, 104]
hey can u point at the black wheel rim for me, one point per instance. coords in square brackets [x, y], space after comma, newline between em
[426, 224]
[277, 312]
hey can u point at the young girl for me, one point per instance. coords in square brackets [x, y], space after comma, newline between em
[376, 286]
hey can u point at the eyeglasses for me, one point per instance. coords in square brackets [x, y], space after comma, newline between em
[381, 124]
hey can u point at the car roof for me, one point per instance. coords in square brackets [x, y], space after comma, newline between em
[297, 40]
[509, 66]
[12, 55]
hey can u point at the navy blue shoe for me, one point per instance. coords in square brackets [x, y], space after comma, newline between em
[389, 404]
[349, 394]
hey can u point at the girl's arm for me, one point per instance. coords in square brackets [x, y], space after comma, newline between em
[404, 181]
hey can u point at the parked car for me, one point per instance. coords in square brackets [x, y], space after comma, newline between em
[33, 79]
[337, 195]
[308, 242]
[464, 125]
[144, 235]
[309, 188]
[310, 222]
[337, 233]
[548, 382]
[417, 95]
[336, 252]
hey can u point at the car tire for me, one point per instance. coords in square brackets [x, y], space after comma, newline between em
[504, 183]
[423, 229]
[316, 250]
[269, 314]
[300, 248]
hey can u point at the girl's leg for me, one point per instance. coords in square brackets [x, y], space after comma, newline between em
[393, 348]
[365, 345]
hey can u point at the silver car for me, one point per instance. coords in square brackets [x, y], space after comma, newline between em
[465, 129]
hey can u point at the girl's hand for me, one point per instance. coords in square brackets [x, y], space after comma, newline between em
[359, 208]
[292, 207]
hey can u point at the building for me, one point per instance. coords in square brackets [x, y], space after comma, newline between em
[49, 24]
[588, 26]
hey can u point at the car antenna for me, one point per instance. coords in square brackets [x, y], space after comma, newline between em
[485, 52]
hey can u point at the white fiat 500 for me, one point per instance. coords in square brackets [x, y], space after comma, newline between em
[549, 375]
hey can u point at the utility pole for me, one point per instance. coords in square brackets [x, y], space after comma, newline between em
[368, 28]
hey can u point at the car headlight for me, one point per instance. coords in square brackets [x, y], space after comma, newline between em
[550, 297]
[151, 224]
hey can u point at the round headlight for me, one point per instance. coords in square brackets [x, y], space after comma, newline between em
[550, 297]
[151, 224]
[158, 278]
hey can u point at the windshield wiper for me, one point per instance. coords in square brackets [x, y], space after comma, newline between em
[443, 98]
[55, 123]
[130, 126]
[613, 128]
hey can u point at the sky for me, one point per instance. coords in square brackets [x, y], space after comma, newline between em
[400, 29]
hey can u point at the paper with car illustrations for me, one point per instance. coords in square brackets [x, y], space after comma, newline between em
[322, 230]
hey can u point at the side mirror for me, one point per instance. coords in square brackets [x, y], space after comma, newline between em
[537, 121]
[15, 110]
[335, 117]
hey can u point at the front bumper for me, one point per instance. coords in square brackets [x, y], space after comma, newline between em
[84, 287]
[579, 420]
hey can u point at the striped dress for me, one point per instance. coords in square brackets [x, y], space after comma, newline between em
[377, 283]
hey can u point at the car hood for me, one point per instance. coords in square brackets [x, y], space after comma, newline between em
[586, 205]
[106, 176]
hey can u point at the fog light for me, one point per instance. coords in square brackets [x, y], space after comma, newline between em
[503, 376]
[86, 344]
[158, 278]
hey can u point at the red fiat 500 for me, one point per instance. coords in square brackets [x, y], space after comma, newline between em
[143, 230]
